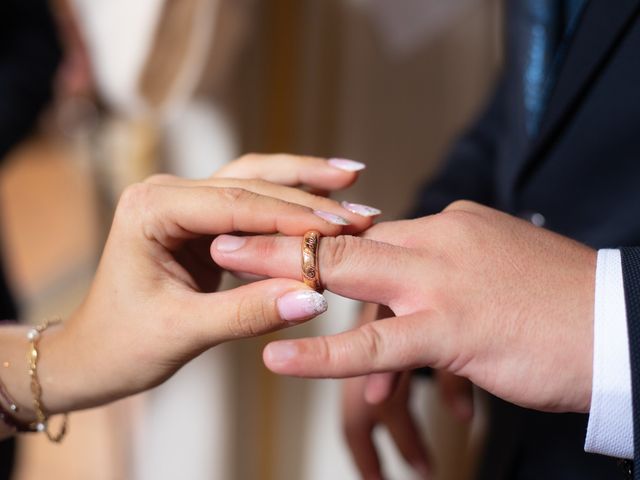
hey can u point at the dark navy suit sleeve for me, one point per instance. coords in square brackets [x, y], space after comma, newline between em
[631, 275]
[29, 56]
[468, 171]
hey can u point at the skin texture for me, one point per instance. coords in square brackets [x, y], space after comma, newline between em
[152, 306]
[474, 291]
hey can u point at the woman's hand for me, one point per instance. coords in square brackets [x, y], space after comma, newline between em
[294, 170]
[476, 292]
[150, 308]
[265, 175]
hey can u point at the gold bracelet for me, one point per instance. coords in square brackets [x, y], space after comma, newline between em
[42, 418]
[6, 396]
[7, 415]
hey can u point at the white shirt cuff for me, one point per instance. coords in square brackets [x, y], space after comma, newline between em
[610, 429]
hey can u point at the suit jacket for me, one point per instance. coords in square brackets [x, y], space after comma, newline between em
[29, 55]
[580, 174]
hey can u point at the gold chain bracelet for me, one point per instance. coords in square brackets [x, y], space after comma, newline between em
[42, 418]
[8, 399]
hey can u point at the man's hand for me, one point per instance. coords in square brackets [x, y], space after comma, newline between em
[360, 418]
[381, 399]
[476, 292]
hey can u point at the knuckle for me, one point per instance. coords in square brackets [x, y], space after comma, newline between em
[335, 251]
[252, 317]
[160, 178]
[462, 205]
[458, 224]
[135, 199]
[255, 184]
[238, 166]
[396, 232]
[246, 160]
[234, 195]
[137, 212]
[248, 157]
[325, 352]
[266, 247]
[372, 342]
[136, 194]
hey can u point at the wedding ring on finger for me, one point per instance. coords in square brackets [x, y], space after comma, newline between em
[310, 268]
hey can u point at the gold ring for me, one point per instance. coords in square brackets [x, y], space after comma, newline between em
[310, 270]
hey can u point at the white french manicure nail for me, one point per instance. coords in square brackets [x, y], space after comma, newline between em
[331, 218]
[362, 210]
[300, 305]
[347, 165]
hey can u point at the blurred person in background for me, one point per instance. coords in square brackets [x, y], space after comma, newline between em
[29, 57]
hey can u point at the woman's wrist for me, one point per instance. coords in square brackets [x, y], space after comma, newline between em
[14, 370]
[60, 370]
[23, 407]
[55, 371]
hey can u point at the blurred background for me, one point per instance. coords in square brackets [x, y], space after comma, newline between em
[185, 86]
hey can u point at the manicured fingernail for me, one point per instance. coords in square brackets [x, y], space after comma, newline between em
[229, 243]
[301, 305]
[347, 165]
[281, 352]
[331, 218]
[362, 210]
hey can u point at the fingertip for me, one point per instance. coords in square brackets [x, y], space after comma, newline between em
[327, 227]
[332, 218]
[333, 224]
[346, 165]
[225, 247]
[360, 209]
[300, 305]
[378, 388]
[358, 222]
[228, 243]
[278, 356]
[374, 396]
[328, 175]
[333, 179]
